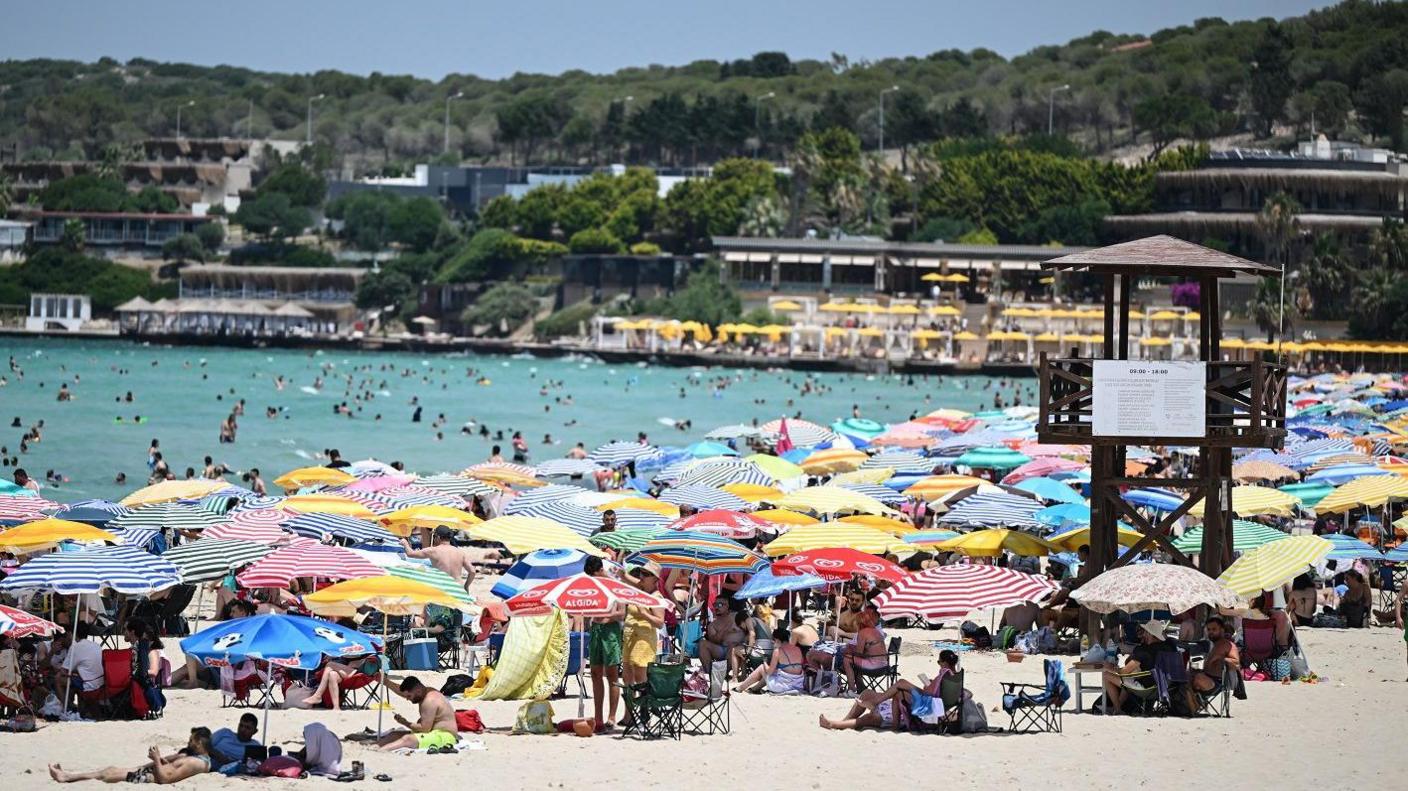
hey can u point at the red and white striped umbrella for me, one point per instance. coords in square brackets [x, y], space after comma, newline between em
[581, 594]
[18, 623]
[24, 506]
[718, 522]
[255, 530]
[260, 517]
[954, 591]
[837, 564]
[375, 503]
[307, 559]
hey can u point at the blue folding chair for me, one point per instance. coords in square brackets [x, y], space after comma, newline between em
[1040, 712]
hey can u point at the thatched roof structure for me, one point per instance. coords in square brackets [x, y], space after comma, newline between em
[1274, 179]
[1164, 256]
[1212, 223]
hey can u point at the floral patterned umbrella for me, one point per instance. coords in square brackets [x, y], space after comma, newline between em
[1153, 586]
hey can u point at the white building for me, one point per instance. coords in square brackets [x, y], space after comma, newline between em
[66, 312]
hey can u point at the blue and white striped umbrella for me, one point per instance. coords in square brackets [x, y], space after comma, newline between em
[640, 519]
[1344, 473]
[92, 512]
[704, 498]
[1157, 499]
[551, 493]
[457, 484]
[670, 473]
[993, 510]
[539, 567]
[567, 467]
[616, 454]
[138, 537]
[579, 519]
[906, 460]
[884, 494]
[721, 472]
[124, 569]
[358, 531]
[765, 584]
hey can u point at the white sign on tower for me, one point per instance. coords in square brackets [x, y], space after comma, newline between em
[1149, 398]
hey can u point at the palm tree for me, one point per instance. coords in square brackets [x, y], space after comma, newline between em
[1389, 245]
[1371, 296]
[1266, 309]
[1279, 228]
[763, 217]
[7, 193]
[1323, 276]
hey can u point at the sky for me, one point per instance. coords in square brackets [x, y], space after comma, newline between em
[432, 38]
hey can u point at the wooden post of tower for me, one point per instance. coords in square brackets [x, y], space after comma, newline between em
[1210, 404]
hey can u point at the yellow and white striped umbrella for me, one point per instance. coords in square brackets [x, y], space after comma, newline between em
[524, 534]
[895, 527]
[819, 500]
[833, 460]
[1372, 492]
[831, 535]
[1255, 500]
[313, 476]
[1271, 565]
[936, 486]
[867, 475]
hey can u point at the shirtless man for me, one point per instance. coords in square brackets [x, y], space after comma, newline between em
[436, 727]
[1224, 655]
[458, 562]
[189, 762]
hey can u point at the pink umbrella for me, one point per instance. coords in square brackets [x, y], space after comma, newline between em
[948, 592]
[718, 522]
[1037, 468]
[307, 559]
[18, 623]
[260, 517]
[257, 533]
[901, 439]
[376, 483]
[1039, 450]
[24, 506]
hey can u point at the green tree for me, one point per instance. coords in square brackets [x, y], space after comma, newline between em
[1322, 279]
[272, 215]
[385, 289]
[1278, 222]
[302, 186]
[1169, 117]
[705, 298]
[1380, 101]
[503, 308]
[415, 223]
[183, 248]
[489, 247]
[698, 209]
[595, 240]
[7, 192]
[74, 236]
[500, 212]
[1272, 83]
[211, 236]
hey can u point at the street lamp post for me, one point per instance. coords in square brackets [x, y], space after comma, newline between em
[890, 89]
[446, 148]
[758, 120]
[1051, 108]
[308, 137]
[179, 108]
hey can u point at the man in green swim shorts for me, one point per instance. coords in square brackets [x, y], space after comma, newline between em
[436, 728]
[604, 654]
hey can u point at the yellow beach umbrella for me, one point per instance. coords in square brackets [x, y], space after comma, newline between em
[1254, 500]
[1075, 539]
[894, 527]
[833, 307]
[936, 486]
[407, 520]
[903, 310]
[776, 467]
[642, 504]
[1164, 315]
[865, 475]
[956, 277]
[833, 460]
[327, 504]
[870, 332]
[785, 304]
[1370, 492]
[934, 277]
[313, 476]
[965, 336]
[779, 516]
[752, 492]
[45, 533]
[390, 594]
[944, 310]
[168, 491]
[1271, 565]
[820, 500]
[836, 535]
[991, 543]
[524, 534]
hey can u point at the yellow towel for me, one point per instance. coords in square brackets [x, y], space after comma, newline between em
[533, 661]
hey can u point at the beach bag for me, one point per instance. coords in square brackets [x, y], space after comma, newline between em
[468, 721]
[456, 684]
[697, 684]
[535, 716]
[1045, 640]
[982, 638]
[975, 720]
[281, 766]
[1279, 667]
[826, 683]
[1298, 665]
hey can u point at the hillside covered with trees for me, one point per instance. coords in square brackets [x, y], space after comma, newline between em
[1346, 66]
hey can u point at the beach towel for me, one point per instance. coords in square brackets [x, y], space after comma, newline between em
[463, 745]
[322, 750]
[533, 661]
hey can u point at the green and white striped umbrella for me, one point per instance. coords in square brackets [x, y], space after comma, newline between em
[212, 558]
[628, 540]
[433, 577]
[457, 484]
[1246, 536]
[170, 516]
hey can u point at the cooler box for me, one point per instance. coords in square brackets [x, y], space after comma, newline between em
[420, 654]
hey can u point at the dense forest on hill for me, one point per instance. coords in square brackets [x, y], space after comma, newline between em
[1346, 67]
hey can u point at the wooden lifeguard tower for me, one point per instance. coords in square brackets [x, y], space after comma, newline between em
[1239, 404]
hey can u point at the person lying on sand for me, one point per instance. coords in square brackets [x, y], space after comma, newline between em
[192, 760]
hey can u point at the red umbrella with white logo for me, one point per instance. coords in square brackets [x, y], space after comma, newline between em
[582, 594]
[18, 624]
[728, 524]
[954, 591]
[837, 564]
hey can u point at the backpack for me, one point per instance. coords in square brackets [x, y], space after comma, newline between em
[456, 684]
[281, 766]
[982, 638]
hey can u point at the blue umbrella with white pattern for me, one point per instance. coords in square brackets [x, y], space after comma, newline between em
[123, 569]
[722, 472]
[993, 510]
[704, 498]
[1156, 499]
[567, 467]
[765, 584]
[538, 567]
[1344, 473]
[1050, 490]
[616, 454]
[358, 531]
[92, 512]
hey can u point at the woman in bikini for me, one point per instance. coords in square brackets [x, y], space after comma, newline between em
[334, 673]
[783, 672]
[867, 652]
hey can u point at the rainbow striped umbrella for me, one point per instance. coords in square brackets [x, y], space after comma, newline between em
[702, 552]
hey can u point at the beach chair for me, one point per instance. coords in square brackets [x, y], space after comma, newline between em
[1218, 703]
[951, 695]
[170, 618]
[12, 697]
[881, 678]
[119, 697]
[1157, 689]
[656, 707]
[1259, 644]
[243, 686]
[1040, 712]
[575, 668]
[707, 713]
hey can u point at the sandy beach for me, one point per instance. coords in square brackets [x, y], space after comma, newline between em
[1340, 731]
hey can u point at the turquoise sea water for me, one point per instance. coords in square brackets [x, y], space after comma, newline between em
[183, 393]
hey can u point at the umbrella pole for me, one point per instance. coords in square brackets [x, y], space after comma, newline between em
[200, 598]
[68, 663]
[581, 665]
[386, 694]
[268, 681]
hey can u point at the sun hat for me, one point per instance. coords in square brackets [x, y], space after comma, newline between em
[1155, 627]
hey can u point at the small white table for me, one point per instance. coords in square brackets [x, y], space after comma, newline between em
[1079, 686]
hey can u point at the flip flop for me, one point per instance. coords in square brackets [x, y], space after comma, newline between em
[448, 750]
[385, 778]
[433, 751]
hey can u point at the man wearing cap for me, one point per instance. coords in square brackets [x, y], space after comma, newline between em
[458, 562]
[1141, 660]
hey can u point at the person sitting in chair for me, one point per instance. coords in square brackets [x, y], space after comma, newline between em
[1222, 657]
[868, 651]
[1141, 660]
[334, 673]
[192, 760]
[890, 709]
[721, 638]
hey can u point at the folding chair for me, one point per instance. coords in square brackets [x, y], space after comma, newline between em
[951, 695]
[1259, 644]
[881, 678]
[119, 694]
[170, 619]
[709, 714]
[1040, 712]
[1217, 703]
[657, 706]
[574, 665]
[1169, 677]
[12, 696]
